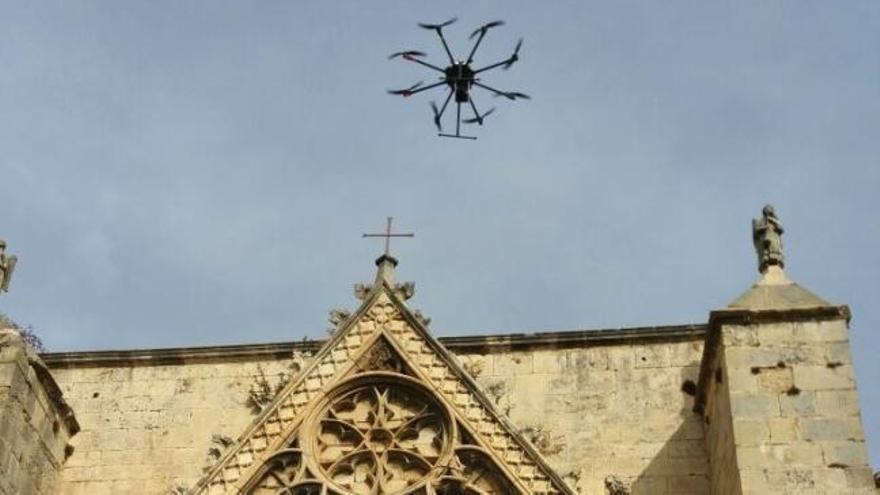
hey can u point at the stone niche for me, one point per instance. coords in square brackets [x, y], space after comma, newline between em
[35, 421]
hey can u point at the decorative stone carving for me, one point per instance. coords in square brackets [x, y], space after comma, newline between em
[615, 486]
[219, 444]
[338, 316]
[424, 320]
[381, 357]
[383, 434]
[474, 366]
[299, 360]
[415, 426]
[7, 266]
[546, 443]
[361, 291]
[404, 291]
[767, 236]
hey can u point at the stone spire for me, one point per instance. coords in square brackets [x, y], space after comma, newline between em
[385, 273]
[386, 265]
[385, 269]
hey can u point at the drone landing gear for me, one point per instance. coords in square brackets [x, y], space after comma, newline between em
[459, 136]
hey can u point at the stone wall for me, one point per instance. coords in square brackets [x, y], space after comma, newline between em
[596, 409]
[150, 429]
[719, 436]
[614, 413]
[35, 422]
[794, 406]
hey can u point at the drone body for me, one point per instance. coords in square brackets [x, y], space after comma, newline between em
[459, 77]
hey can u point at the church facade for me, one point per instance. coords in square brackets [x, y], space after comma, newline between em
[760, 399]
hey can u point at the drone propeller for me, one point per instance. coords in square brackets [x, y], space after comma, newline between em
[437, 27]
[513, 95]
[436, 116]
[407, 54]
[486, 27]
[513, 58]
[405, 92]
[478, 119]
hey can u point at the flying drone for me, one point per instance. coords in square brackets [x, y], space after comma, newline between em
[460, 77]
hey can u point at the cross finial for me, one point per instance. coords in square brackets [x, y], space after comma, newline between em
[388, 235]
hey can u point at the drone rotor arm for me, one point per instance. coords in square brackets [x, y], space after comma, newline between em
[477, 117]
[482, 30]
[439, 115]
[506, 63]
[495, 66]
[424, 88]
[445, 45]
[476, 45]
[497, 92]
[439, 29]
[426, 64]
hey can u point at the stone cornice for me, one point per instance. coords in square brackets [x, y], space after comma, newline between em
[460, 344]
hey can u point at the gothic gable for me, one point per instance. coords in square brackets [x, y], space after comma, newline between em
[383, 408]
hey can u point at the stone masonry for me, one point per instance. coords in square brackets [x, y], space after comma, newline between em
[779, 396]
[596, 404]
[35, 421]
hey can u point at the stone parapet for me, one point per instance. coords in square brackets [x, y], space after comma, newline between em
[35, 421]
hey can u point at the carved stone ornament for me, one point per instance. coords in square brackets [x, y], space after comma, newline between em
[381, 409]
[7, 266]
[384, 434]
[767, 235]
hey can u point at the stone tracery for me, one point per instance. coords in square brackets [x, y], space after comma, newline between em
[381, 436]
[380, 433]
[381, 410]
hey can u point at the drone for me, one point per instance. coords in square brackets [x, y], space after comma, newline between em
[460, 77]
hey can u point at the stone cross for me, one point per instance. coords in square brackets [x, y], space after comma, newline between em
[388, 235]
[767, 236]
[7, 266]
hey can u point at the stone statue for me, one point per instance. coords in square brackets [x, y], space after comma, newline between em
[7, 265]
[767, 236]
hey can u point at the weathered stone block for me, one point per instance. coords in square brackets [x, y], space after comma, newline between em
[783, 430]
[845, 454]
[802, 404]
[824, 377]
[831, 430]
[822, 331]
[837, 403]
[751, 432]
[775, 380]
[746, 405]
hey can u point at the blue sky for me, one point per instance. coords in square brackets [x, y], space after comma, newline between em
[197, 173]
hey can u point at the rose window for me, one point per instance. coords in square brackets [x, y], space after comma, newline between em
[382, 434]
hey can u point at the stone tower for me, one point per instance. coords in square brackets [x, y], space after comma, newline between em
[777, 390]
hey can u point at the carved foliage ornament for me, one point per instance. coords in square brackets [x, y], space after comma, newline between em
[380, 433]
